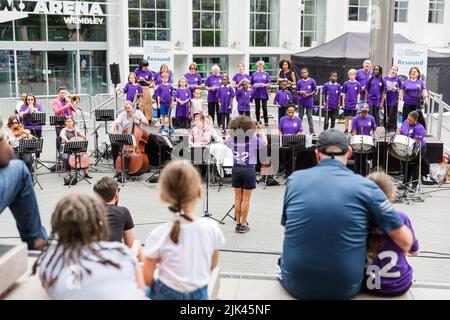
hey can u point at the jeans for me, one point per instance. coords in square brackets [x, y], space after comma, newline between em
[258, 103]
[160, 291]
[330, 119]
[17, 193]
[301, 111]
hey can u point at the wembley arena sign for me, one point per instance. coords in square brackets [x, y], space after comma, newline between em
[75, 10]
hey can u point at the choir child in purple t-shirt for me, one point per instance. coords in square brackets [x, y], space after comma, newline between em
[306, 90]
[283, 97]
[331, 92]
[225, 95]
[375, 92]
[351, 97]
[131, 88]
[183, 97]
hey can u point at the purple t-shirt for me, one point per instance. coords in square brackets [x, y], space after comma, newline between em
[413, 91]
[391, 265]
[244, 97]
[130, 89]
[158, 78]
[361, 77]
[309, 86]
[290, 126]
[417, 132]
[239, 77]
[147, 75]
[257, 79]
[193, 80]
[183, 94]
[375, 87]
[213, 82]
[164, 92]
[225, 96]
[282, 98]
[351, 91]
[367, 124]
[22, 109]
[332, 92]
[393, 86]
[245, 149]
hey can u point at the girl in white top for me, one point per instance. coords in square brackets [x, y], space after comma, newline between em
[83, 264]
[186, 249]
[197, 103]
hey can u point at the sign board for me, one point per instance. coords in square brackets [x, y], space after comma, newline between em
[158, 53]
[408, 55]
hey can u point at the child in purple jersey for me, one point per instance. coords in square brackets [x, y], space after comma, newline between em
[245, 143]
[164, 94]
[243, 98]
[183, 97]
[375, 92]
[283, 97]
[131, 88]
[388, 272]
[290, 124]
[225, 96]
[351, 92]
[331, 92]
[306, 89]
[393, 86]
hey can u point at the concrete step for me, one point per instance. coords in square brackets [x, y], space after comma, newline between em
[13, 264]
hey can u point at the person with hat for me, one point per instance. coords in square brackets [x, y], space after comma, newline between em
[363, 124]
[325, 247]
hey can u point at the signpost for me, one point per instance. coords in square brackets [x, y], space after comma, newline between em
[158, 53]
[408, 55]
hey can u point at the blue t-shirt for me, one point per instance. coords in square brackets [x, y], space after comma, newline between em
[324, 249]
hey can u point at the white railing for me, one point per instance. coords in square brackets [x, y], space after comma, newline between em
[435, 117]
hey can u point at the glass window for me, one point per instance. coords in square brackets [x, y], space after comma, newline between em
[29, 74]
[313, 24]
[133, 62]
[58, 30]
[270, 66]
[264, 23]
[148, 20]
[93, 72]
[358, 10]
[62, 67]
[209, 23]
[205, 63]
[401, 11]
[7, 75]
[436, 11]
[6, 31]
[31, 28]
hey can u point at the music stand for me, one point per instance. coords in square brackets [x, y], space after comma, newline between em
[102, 115]
[34, 120]
[32, 147]
[76, 147]
[160, 141]
[121, 140]
[57, 121]
[294, 143]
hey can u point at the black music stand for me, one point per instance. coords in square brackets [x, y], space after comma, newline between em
[102, 115]
[33, 120]
[57, 121]
[294, 143]
[32, 147]
[121, 140]
[161, 141]
[76, 147]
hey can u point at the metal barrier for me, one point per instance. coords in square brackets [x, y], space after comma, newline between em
[435, 116]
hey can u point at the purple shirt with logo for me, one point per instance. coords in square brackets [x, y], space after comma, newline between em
[22, 109]
[332, 92]
[393, 86]
[367, 124]
[375, 87]
[130, 89]
[225, 96]
[239, 77]
[183, 94]
[393, 278]
[259, 78]
[413, 91]
[361, 77]
[147, 75]
[282, 98]
[290, 126]
[158, 78]
[164, 92]
[417, 132]
[351, 91]
[245, 149]
[309, 86]
[193, 80]
[213, 82]
[244, 97]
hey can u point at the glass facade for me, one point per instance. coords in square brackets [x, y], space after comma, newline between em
[209, 20]
[313, 23]
[206, 62]
[264, 23]
[358, 10]
[7, 75]
[270, 66]
[30, 76]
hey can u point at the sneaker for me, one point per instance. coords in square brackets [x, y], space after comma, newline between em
[244, 229]
[312, 133]
[161, 129]
[237, 228]
[170, 130]
[346, 132]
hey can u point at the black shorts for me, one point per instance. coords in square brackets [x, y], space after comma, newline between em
[243, 177]
[349, 113]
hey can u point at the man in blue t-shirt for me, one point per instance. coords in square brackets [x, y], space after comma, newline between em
[326, 215]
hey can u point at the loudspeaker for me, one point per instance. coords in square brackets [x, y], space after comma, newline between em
[115, 73]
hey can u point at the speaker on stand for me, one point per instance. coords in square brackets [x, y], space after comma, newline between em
[115, 79]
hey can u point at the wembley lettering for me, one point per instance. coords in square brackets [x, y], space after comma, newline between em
[76, 20]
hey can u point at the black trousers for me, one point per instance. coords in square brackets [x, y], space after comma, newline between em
[374, 112]
[390, 121]
[184, 123]
[244, 113]
[412, 174]
[258, 104]
[408, 108]
[115, 153]
[330, 119]
[224, 120]
[362, 163]
[213, 109]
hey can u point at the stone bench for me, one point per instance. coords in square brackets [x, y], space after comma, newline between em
[13, 264]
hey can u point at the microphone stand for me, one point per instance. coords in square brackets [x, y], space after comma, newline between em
[361, 151]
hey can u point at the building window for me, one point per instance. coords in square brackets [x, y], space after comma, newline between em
[6, 31]
[7, 75]
[264, 23]
[209, 23]
[401, 11]
[270, 66]
[313, 22]
[436, 11]
[148, 20]
[358, 10]
[205, 63]
[133, 61]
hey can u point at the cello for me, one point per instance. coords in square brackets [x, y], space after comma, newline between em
[83, 158]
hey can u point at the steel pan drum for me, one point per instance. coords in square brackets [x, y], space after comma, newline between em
[362, 144]
[403, 148]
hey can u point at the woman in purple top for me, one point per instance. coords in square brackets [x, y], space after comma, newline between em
[290, 124]
[415, 128]
[361, 76]
[412, 91]
[225, 95]
[131, 88]
[244, 142]
[331, 92]
[145, 80]
[375, 92]
[243, 98]
[306, 90]
[193, 78]
[260, 81]
[241, 75]
[183, 97]
[388, 272]
[164, 68]
[393, 86]
[212, 83]
[31, 106]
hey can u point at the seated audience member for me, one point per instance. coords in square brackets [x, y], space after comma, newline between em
[120, 222]
[202, 134]
[83, 264]
[17, 193]
[186, 249]
[395, 279]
